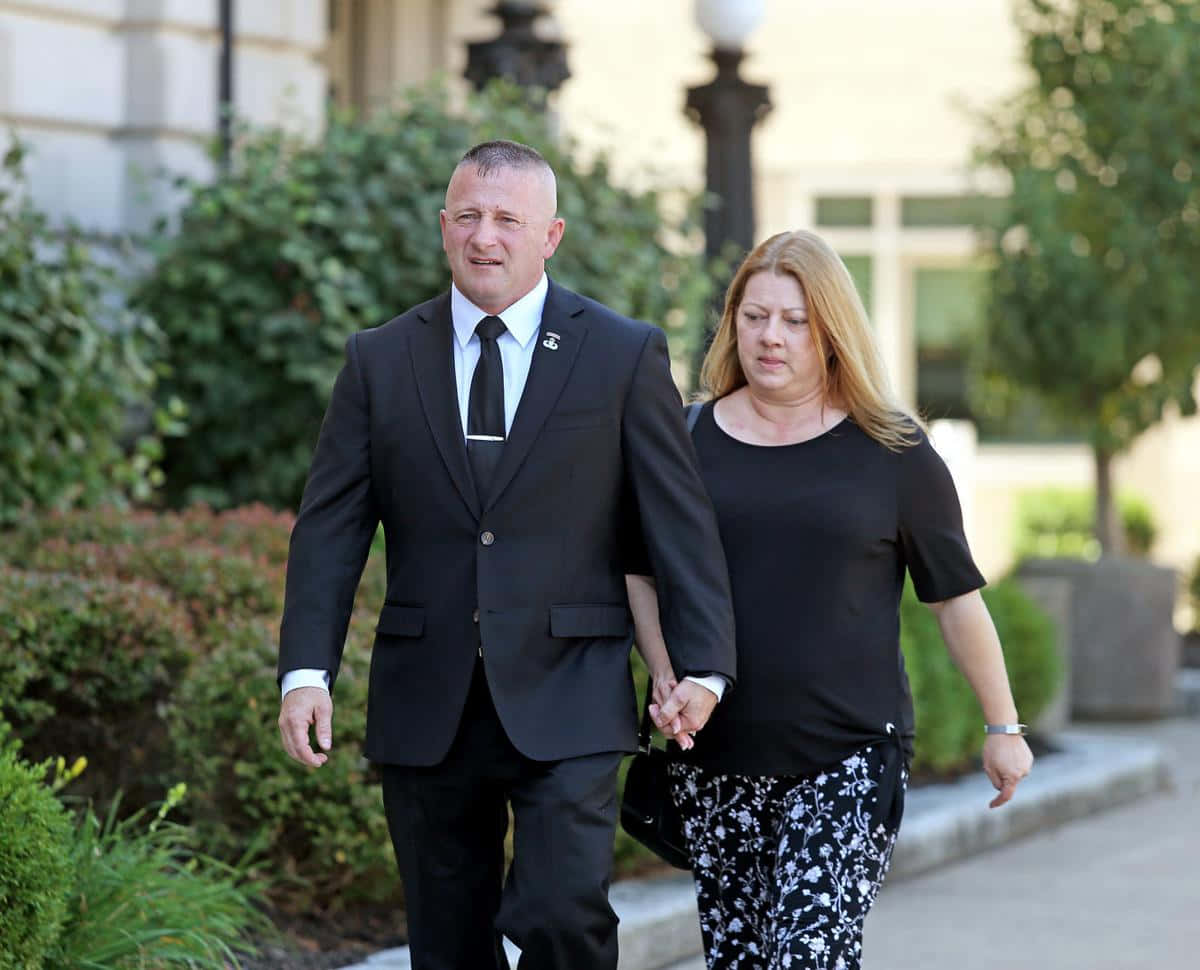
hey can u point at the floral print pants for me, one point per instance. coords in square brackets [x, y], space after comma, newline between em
[787, 867]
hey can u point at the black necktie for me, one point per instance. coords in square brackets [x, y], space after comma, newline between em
[485, 409]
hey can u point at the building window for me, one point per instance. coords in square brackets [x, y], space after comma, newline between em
[860, 272]
[845, 210]
[944, 211]
[949, 317]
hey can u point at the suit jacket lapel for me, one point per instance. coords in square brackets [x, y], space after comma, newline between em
[553, 358]
[433, 373]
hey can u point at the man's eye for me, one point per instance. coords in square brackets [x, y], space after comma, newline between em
[467, 218]
[510, 221]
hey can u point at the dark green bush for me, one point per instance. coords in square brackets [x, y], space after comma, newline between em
[949, 721]
[325, 830]
[35, 863]
[274, 264]
[86, 668]
[73, 367]
[1054, 522]
[151, 649]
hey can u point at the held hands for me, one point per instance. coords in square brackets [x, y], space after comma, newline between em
[1006, 760]
[682, 709]
[662, 683]
[302, 708]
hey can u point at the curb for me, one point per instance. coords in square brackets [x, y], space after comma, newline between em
[1089, 773]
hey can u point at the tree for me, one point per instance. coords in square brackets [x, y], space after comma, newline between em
[1095, 285]
[273, 265]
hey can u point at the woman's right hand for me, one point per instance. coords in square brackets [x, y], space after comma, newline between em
[662, 683]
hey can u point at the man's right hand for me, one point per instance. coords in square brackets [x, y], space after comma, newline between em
[301, 709]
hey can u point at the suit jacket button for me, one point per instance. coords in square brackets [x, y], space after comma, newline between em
[475, 616]
[487, 538]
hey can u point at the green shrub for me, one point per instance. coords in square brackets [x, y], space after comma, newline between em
[87, 667]
[1030, 642]
[253, 531]
[326, 835]
[211, 584]
[1194, 596]
[144, 897]
[151, 649]
[949, 721]
[298, 245]
[1055, 522]
[73, 367]
[35, 864]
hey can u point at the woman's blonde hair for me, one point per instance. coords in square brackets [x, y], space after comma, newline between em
[852, 369]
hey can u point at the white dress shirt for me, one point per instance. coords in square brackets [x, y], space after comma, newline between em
[523, 320]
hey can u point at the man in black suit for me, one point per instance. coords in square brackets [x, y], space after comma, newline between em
[511, 436]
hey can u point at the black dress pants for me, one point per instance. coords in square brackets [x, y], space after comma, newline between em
[448, 824]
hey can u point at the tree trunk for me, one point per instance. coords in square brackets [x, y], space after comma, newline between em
[1109, 530]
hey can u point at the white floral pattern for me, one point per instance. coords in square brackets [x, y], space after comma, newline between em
[786, 868]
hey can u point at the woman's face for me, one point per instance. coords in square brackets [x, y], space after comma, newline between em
[774, 343]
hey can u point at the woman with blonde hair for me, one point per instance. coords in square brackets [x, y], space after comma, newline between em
[827, 492]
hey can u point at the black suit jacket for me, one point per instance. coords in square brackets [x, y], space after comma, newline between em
[535, 569]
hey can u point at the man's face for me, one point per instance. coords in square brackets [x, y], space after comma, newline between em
[498, 230]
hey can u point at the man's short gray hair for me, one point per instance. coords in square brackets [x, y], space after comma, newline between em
[489, 156]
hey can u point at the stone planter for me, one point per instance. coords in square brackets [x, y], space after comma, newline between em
[1124, 651]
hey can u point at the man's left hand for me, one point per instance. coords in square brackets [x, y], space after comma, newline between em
[686, 711]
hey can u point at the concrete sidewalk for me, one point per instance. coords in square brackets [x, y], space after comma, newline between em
[1097, 769]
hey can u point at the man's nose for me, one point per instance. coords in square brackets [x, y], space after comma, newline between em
[487, 231]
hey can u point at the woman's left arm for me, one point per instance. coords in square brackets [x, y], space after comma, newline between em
[971, 638]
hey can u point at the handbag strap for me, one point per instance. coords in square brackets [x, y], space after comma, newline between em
[691, 415]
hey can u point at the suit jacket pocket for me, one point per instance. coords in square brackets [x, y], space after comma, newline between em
[589, 620]
[589, 418]
[401, 621]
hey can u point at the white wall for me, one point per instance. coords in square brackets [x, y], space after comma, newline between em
[109, 92]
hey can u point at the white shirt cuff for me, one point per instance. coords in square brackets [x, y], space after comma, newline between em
[714, 682]
[304, 677]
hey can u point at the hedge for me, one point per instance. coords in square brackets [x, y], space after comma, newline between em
[949, 720]
[35, 872]
[147, 643]
[1053, 522]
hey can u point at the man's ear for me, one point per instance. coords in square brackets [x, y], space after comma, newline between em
[554, 234]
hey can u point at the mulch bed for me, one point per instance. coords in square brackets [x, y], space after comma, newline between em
[328, 941]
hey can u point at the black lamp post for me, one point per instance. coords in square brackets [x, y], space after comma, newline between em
[225, 80]
[518, 54]
[727, 108]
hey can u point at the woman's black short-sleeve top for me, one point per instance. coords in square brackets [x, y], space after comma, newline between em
[818, 536]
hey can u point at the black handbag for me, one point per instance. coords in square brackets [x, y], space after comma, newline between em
[648, 812]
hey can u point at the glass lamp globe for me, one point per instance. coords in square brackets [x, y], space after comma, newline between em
[729, 22]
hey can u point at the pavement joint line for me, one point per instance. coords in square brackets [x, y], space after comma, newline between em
[1091, 771]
